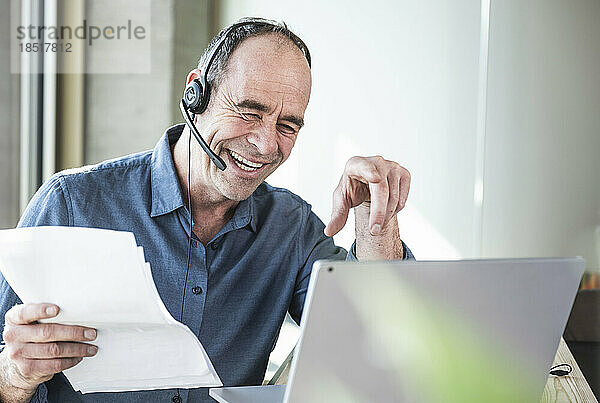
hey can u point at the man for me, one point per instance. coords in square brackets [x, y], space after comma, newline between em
[253, 245]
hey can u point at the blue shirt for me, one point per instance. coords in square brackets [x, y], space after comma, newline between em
[253, 271]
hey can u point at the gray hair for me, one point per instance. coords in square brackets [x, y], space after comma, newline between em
[252, 26]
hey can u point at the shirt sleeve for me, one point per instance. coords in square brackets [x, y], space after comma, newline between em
[47, 207]
[408, 255]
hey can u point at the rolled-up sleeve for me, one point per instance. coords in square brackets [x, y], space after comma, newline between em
[408, 255]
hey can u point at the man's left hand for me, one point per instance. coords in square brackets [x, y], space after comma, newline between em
[377, 183]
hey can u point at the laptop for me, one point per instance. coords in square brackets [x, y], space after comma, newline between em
[443, 331]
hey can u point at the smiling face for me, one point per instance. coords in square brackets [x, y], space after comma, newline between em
[254, 115]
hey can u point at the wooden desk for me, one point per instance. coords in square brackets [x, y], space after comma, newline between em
[568, 388]
[559, 389]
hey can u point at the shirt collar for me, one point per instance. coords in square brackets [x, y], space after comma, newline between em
[252, 212]
[245, 214]
[166, 192]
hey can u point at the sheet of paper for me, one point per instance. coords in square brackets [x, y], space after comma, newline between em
[99, 278]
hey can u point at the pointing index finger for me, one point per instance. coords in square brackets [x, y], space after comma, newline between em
[339, 213]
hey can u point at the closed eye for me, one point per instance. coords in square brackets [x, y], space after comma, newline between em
[250, 116]
[286, 129]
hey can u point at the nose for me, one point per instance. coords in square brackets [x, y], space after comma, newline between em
[264, 139]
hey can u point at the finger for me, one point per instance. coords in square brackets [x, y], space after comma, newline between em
[47, 332]
[393, 198]
[363, 169]
[379, 198]
[29, 313]
[57, 350]
[339, 212]
[404, 189]
[42, 368]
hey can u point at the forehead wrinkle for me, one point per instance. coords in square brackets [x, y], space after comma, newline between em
[281, 83]
[288, 92]
[271, 96]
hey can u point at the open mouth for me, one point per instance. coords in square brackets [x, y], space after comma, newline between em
[243, 163]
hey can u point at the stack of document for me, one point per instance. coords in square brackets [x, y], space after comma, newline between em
[100, 279]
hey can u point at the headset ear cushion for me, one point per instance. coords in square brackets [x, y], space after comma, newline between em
[192, 95]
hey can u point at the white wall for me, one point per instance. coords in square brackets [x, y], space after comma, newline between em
[400, 78]
[396, 78]
[542, 176]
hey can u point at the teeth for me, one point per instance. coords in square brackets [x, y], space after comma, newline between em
[244, 160]
[244, 167]
[244, 163]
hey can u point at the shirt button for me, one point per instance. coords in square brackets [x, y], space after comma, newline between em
[197, 290]
[214, 246]
[176, 399]
[194, 244]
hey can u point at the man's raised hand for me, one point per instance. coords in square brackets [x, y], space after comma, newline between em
[380, 185]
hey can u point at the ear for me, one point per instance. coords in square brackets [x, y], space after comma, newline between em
[192, 75]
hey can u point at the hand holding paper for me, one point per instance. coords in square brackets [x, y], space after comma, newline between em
[37, 351]
[100, 280]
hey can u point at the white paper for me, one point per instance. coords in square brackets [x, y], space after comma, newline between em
[99, 279]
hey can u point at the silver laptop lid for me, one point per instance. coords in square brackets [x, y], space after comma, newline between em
[458, 331]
